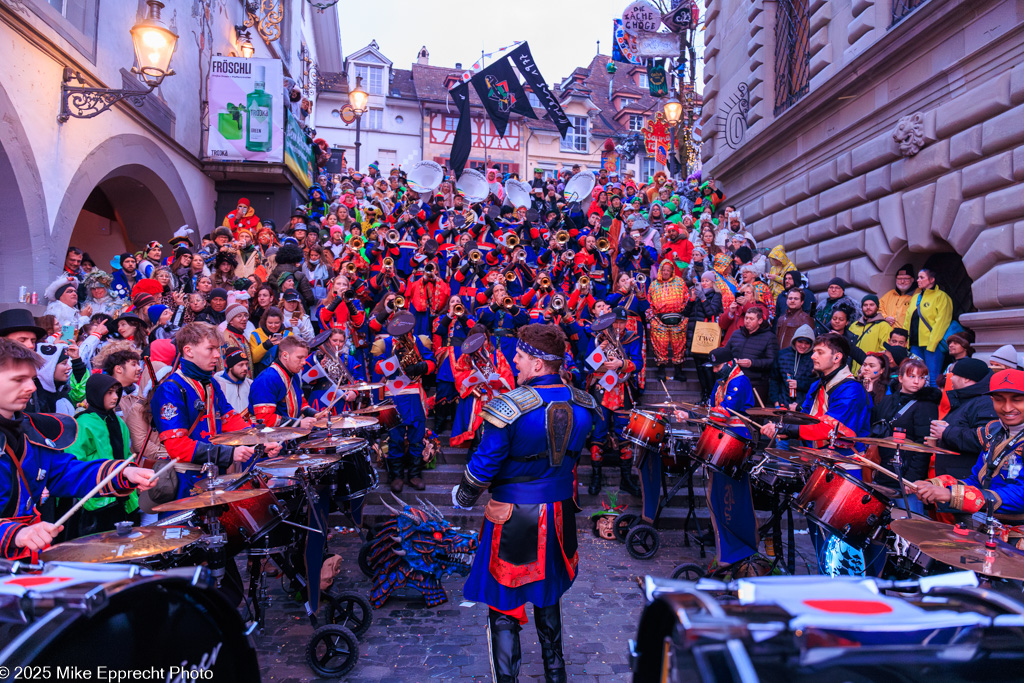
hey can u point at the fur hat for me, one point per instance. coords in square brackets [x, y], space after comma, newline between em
[289, 254]
[97, 278]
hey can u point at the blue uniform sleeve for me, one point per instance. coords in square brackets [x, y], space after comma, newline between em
[69, 477]
[266, 390]
[168, 406]
[495, 446]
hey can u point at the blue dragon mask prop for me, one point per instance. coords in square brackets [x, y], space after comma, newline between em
[416, 548]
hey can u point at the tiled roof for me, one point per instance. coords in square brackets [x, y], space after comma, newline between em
[402, 84]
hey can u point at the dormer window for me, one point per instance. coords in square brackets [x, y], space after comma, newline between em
[641, 80]
[373, 78]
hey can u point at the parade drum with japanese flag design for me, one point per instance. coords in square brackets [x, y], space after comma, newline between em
[85, 617]
[724, 450]
[646, 430]
[846, 506]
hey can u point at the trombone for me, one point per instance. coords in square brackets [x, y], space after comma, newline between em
[395, 304]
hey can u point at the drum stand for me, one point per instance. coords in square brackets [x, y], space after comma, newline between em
[897, 465]
[774, 523]
[685, 479]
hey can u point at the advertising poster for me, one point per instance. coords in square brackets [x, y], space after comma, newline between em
[246, 110]
[297, 153]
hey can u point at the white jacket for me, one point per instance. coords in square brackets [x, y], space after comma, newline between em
[237, 393]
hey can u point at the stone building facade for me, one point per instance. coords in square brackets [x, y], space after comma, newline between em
[865, 134]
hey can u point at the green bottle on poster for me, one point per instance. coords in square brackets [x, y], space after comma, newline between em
[259, 118]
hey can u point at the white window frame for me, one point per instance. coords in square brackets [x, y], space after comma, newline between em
[648, 167]
[534, 100]
[574, 141]
[374, 119]
[368, 73]
[642, 81]
[632, 119]
[450, 123]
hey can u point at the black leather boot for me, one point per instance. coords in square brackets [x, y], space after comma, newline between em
[549, 633]
[506, 655]
[414, 472]
[680, 374]
[394, 467]
[627, 484]
[596, 478]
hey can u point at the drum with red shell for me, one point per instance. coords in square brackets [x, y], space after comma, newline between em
[645, 429]
[723, 449]
[843, 504]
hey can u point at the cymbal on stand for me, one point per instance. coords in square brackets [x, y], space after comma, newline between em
[787, 417]
[209, 498]
[111, 546]
[254, 436]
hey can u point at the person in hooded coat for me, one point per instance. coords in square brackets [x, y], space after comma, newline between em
[56, 388]
[102, 435]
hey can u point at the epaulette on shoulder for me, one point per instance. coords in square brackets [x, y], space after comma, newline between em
[500, 411]
[525, 398]
[50, 430]
[582, 398]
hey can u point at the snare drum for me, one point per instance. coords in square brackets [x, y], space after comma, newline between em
[225, 482]
[315, 467]
[389, 418]
[844, 505]
[84, 617]
[245, 522]
[646, 430]
[776, 476]
[355, 476]
[724, 450]
[682, 444]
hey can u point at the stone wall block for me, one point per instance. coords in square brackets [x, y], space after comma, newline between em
[988, 175]
[930, 162]
[864, 215]
[1003, 131]
[1017, 84]
[784, 219]
[842, 248]
[843, 196]
[807, 255]
[859, 27]
[807, 210]
[755, 43]
[1018, 163]
[917, 213]
[969, 222]
[797, 189]
[711, 86]
[753, 211]
[821, 230]
[844, 166]
[890, 215]
[814, 5]
[876, 247]
[820, 18]
[879, 182]
[761, 230]
[712, 8]
[819, 40]
[965, 147]
[974, 106]
[988, 250]
[754, 9]
[1018, 239]
[757, 58]
[948, 198]
[1004, 205]
[774, 200]
[844, 222]
[796, 238]
[823, 177]
[879, 150]
[820, 59]
[862, 273]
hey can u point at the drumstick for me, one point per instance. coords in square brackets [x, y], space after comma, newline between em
[746, 419]
[161, 471]
[666, 390]
[96, 489]
[889, 473]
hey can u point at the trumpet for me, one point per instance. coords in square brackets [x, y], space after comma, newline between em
[508, 302]
[350, 268]
[392, 237]
[459, 310]
[557, 303]
[562, 237]
[545, 281]
[430, 268]
[641, 279]
[476, 256]
[570, 254]
[356, 243]
[395, 304]
[388, 263]
[511, 242]
[510, 276]
[521, 257]
[584, 281]
[348, 295]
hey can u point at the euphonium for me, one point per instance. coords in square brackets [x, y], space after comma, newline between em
[603, 245]
[562, 237]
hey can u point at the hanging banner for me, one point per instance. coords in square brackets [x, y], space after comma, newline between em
[298, 155]
[501, 93]
[624, 47]
[640, 16]
[657, 80]
[656, 134]
[246, 112]
[523, 59]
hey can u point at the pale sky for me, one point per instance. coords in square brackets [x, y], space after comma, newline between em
[563, 34]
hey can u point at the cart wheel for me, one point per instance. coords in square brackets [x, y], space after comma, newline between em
[642, 542]
[622, 524]
[688, 572]
[332, 651]
[364, 560]
[351, 610]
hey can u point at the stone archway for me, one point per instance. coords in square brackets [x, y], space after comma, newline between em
[24, 258]
[125, 193]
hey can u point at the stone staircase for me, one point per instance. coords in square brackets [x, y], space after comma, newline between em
[449, 470]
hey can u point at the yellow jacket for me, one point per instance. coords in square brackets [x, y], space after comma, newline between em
[934, 316]
[894, 305]
[870, 337]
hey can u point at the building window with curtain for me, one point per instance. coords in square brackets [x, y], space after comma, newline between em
[578, 137]
[902, 8]
[792, 56]
[373, 119]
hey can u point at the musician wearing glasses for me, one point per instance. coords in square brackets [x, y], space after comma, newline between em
[528, 451]
[415, 361]
[613, 356]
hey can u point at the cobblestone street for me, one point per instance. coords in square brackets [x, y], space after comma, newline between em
[409, 642]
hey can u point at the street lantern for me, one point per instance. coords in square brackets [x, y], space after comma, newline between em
[358, 97]
[154, 46]
[246, 49]
[673, 111]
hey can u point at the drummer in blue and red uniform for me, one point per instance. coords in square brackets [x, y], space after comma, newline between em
[843, 409]
[32, 459]
[189, 407]
[995, 479]
[276, 397]
[531, 441]
[729, 499]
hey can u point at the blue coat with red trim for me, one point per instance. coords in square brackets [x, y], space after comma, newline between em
[276, 398]
[42, 463]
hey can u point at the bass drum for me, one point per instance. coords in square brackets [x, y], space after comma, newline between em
[84, 617]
